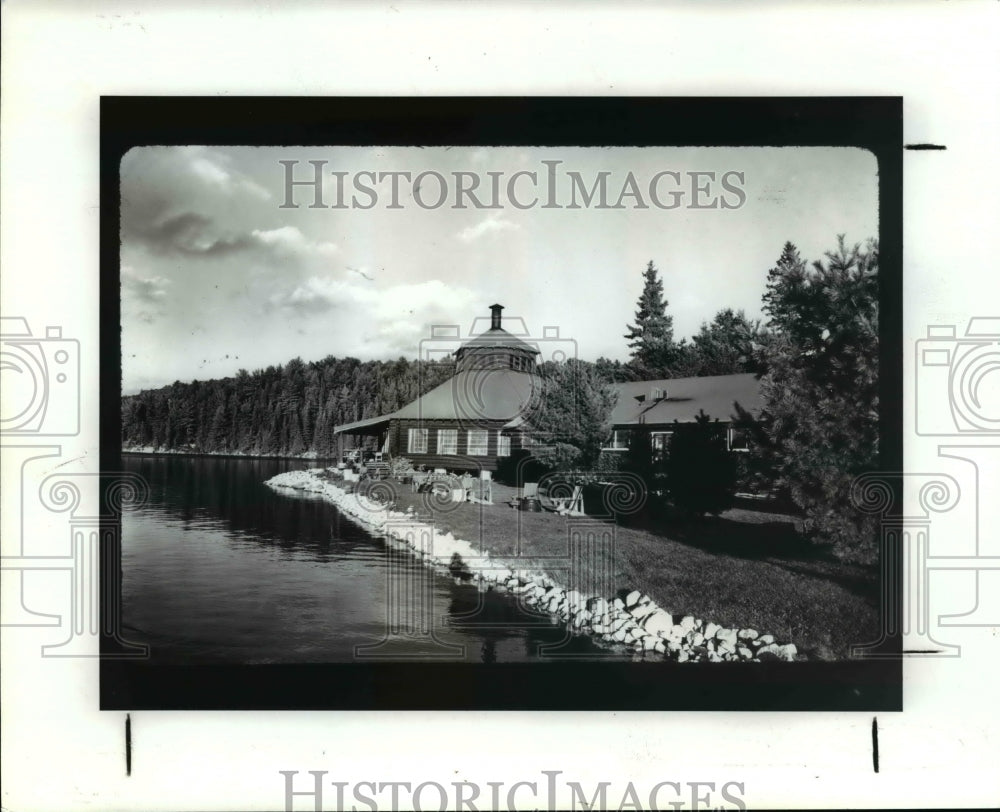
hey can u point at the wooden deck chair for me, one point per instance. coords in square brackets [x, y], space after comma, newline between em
[530, 489]
[574, 506]
[564, 505]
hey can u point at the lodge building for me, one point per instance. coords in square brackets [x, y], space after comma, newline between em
[482, 414]
[473, 420]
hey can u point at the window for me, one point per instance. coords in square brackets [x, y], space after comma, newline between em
[660, 442]
[417, 442]
[503, 445]
[738, 440]
[478, 443]
[618, 442]
[447, 441]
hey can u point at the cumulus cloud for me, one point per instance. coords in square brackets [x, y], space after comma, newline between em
[215, 169]
[288, 239]
[173, 198]
[393, 320]
[189, 233]
[143, 297]
[492, 224]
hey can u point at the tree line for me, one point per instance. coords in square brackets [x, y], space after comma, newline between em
[284, 410]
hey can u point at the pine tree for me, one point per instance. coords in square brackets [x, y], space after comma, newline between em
[727, 345]
[821, 389]
[574, 415]
[651, 338]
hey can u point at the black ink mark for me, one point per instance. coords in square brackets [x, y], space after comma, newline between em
[128, 745]
[925, 146]
[875, 743]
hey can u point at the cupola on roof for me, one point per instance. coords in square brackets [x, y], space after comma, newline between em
[496, 348]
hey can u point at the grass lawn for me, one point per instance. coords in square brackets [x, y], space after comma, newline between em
[744, 569]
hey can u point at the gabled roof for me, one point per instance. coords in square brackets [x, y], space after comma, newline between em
[497, 338]
[684, 397]
[470, 395]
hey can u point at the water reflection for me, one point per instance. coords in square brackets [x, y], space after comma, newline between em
[217, 567]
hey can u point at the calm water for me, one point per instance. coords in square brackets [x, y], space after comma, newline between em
[217, 567]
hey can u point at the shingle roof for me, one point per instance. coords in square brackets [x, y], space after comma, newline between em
[507, 395]
[684, 398]
[488, 394]
[497, 338]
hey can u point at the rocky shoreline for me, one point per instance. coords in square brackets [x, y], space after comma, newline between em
[632, 622]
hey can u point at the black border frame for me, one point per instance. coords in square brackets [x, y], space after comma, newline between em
[872, 123]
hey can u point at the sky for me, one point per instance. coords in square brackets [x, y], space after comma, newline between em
[223, 266]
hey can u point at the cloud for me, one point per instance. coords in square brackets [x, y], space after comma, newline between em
[289, 240]
[143, 298]
[215, 169]
[392, 320]
[492, 224]
[186, 200]
[189, 233]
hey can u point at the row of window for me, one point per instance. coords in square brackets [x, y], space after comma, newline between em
[477, 442]
[736, 440]
[501, 361]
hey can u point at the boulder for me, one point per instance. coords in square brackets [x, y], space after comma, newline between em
[769, 652]
[728, 636]
[632, 598]
[748, 634]
[642, 610]
[659, 622]
[744, 652]
[788, 652]
[766, 639]
[687, 623]
[697, 638]
[683, 656]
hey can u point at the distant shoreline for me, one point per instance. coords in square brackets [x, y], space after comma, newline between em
[150, 452]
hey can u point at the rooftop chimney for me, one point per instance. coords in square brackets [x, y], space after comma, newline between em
[495, 325]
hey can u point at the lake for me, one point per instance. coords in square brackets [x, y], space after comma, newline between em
[219, 568]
